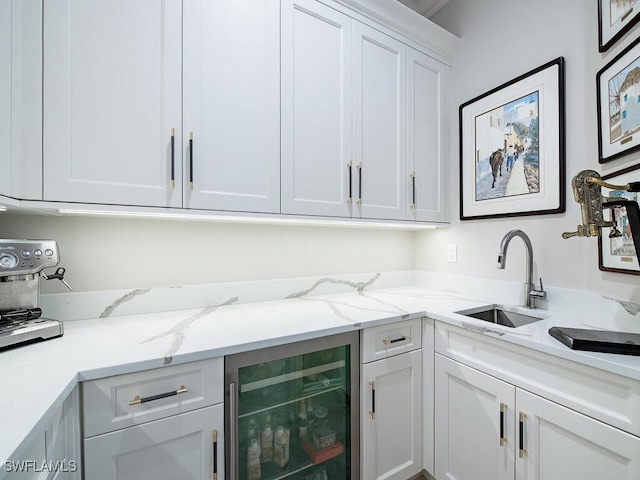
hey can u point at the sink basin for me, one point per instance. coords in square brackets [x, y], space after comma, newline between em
[500, 315]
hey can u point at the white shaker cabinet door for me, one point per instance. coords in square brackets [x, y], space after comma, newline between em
[112, 98]
[21, 99]
[392, 417]
[232, 105]
[559, 443]
[380, 124]
[181, 447]
[316, 109]
[426, 102]
[468, 406]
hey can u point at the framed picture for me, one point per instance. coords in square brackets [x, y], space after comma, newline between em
[616, 253]
[615, 18]
[512, 147]
[618, 91]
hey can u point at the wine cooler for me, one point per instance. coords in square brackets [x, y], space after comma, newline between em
[292, 411]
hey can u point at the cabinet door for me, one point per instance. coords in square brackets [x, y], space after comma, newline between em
[426, 99]
[560, 443]
[392, 417]
[468, 424]
[232, 105]
[55, 452]
[21, 99]
[112, 97]
[316, 109]
[380, 124]
[182, 446]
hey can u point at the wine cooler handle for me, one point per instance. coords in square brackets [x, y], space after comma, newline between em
[233, 457]
[215, 455]
[373, 400]
[503, 409]
[522, 451]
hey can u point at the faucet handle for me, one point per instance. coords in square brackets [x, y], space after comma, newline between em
[535, 293]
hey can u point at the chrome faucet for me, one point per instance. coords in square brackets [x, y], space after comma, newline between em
[531, 292]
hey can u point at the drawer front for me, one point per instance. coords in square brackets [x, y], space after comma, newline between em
[605, 396]
[125, 400]
[389, 340]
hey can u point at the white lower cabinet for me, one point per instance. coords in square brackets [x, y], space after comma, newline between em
[487, 428]
[163, 423]
[391, 409]
[55, 452]
[186, 446]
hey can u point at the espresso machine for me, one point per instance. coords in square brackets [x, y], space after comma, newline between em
[21, 265]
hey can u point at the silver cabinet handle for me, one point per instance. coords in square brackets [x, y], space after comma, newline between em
[413, 189]
[137, 400]
[522, 451]
[396, 340]
[503, 409]
[350, 167]
[359, 202]
[190, 160]
[372, 413]
[173, 158]
[215, 454]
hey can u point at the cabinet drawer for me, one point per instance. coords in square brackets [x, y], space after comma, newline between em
[393, 339]
[122, 401]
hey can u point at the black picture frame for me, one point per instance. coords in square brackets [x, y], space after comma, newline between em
[524, 119]
[615, 22]
[619, 128]
[618, 254]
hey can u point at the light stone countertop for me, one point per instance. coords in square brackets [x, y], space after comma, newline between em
[37, 378]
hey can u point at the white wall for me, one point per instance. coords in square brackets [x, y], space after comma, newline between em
[105, 253]
[500, 40]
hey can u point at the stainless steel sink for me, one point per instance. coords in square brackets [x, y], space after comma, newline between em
[501, 315]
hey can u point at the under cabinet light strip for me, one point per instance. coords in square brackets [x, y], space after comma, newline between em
[247, 219]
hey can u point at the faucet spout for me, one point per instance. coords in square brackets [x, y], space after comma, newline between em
[530, 292]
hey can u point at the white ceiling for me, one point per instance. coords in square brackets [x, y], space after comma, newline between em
[426, 8]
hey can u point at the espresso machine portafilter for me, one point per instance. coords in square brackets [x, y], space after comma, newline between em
[22, 263]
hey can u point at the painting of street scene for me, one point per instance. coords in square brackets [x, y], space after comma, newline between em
[507, 150]
[624, 103]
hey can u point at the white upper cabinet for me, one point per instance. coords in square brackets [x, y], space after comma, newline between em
[316, 109]
[112, 99]
[21, 99]
[232, 105]
[380, 124]
[426, 101]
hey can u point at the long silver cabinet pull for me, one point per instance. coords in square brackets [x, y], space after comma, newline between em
[137, 400]
[396, 340]
[173, 158]
[372, 413]
[349, 199]
[359, 166]
[215, 454]
[503, 409]
[191, 161]
[413, 189]
[233, 455]
[522, 451]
